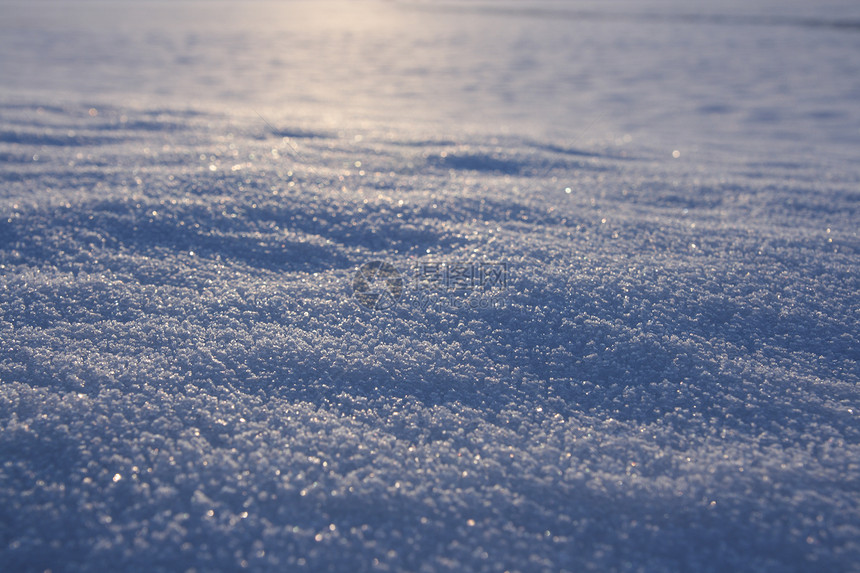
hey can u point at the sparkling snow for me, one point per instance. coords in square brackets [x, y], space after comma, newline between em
[663, 376]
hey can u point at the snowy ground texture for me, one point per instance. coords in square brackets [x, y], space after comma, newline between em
[668, 381]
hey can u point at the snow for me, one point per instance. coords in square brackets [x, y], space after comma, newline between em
[666, 379]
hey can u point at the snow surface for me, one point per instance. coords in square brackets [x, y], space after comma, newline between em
[668, 380]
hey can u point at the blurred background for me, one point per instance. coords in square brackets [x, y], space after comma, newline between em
[667, 72]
